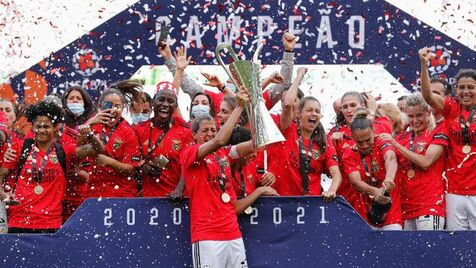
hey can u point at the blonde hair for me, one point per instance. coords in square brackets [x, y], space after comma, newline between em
[417, 99]
[392, 112]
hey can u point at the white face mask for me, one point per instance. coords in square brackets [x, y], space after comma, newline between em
[138, 118]
[199, 109]
[230, 86]
[76, 108]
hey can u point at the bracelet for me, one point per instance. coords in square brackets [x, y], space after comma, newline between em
[222, 88]
[289, 50]
[180, 68]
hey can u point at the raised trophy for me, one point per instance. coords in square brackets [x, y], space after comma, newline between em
[247, 74]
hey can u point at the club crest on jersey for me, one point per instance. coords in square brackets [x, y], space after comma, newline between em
[54, 159]
[420, 147]
[250, 178]
[374, 167]
[117, 143]
[315, 154]
[176, 145]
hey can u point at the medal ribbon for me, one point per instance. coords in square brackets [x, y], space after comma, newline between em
[222, 175]
[39, 178]
[150, 148]
[304, 159]
[104, 138]
[412, 149]
[368, 172]
[243, 183]
[465, 125]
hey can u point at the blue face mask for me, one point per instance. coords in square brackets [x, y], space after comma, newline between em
[138, 118]
[198, 110]
[76, 108]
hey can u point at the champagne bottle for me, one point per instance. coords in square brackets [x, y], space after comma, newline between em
[378, 212]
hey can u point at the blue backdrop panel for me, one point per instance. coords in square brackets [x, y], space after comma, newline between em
[281, 232]
[332, 32]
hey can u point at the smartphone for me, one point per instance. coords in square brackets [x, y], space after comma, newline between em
[106, 105]
[164, 33]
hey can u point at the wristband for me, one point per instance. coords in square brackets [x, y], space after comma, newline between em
[289, 50]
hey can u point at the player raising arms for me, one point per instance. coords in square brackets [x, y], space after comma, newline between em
[459, 114]
[216, 236]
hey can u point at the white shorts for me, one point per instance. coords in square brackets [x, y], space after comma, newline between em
[460, 212]
[425, 222]
[390, 227]
[218, 254]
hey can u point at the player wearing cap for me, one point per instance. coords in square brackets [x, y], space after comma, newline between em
[459, 113]
[216, 237]
[162, 138]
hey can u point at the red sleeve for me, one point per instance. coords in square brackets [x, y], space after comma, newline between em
[17, 146]
[70, 152]
[440, 135]
[382, 125]
[331, 156]
[131, 151]
[351, 161]
[188, 157]
[267, 100]
[448, 106]
[384, 146]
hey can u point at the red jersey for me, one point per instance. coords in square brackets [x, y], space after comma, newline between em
[382, 125]
[353, 161]
[39, 211]
[355, 198]
[422, 194]
[210, 217]
[287, 166]
[246, 180]
[460, 172]
[123, 146]
[177, 138]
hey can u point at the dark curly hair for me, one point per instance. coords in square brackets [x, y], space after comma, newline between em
[48, 109]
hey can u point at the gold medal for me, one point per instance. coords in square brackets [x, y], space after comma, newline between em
[411, 173]
[466, 149]
[225, 197]
[38, 189]
[249, 210]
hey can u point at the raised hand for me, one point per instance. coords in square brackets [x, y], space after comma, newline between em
[181, 58]
[301, 72]
[213, 80]
[242, 97]
[164, 50]
[289, 41]
[276, 78]
[425, 54]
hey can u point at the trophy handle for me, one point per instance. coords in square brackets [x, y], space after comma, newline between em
[220, 47]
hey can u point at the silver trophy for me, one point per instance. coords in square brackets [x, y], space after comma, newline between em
[247, 74]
